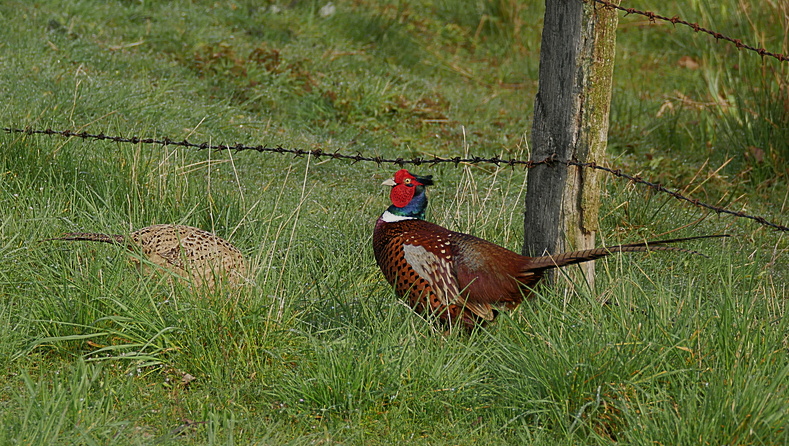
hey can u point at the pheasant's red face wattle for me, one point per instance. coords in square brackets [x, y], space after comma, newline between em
[401, 195]
[403, 191]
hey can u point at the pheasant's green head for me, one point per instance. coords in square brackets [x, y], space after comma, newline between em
[408, 194]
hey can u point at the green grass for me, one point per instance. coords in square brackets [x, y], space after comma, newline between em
[316, 349]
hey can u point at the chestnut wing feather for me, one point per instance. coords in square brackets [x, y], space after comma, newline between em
[490, 275]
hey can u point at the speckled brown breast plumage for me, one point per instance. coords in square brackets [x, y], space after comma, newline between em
[183, 250]
[456, 277]
[423, 260]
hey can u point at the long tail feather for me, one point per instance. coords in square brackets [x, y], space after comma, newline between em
[115, 239]
[570, 258]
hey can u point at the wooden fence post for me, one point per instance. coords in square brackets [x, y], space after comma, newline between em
[571, 121]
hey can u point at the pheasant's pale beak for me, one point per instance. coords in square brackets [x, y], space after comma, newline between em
[389, 182]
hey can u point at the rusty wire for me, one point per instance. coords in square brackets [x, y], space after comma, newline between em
[317, 153]
[696, 27]
[660, 188]
[417, 161]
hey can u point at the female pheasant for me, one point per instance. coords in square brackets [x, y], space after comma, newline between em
[183, 250]
[457, 277]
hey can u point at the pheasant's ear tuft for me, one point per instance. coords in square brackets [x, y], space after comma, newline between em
[426, 180]
[401, 195]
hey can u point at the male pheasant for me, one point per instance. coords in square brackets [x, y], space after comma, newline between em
[183, 250]
[457, 277]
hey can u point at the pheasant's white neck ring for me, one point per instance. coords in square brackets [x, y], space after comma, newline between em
[391, 218]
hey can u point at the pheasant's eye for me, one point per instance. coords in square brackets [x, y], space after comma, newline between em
[407, 181]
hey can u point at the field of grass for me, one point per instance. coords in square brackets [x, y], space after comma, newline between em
[316, 349]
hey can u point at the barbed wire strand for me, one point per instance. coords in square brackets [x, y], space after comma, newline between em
[696, 27]
[660, 188]
[317, 153]
[417, 161]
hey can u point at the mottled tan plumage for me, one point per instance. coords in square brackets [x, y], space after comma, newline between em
[185, 251]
